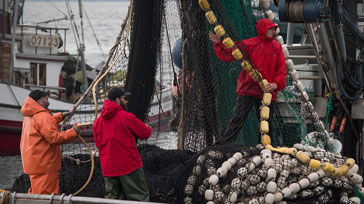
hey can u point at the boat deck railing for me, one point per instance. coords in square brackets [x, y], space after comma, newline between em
[23, 198]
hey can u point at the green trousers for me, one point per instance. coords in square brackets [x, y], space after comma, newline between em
[132, 186]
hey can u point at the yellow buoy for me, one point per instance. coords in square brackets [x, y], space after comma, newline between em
[266, 139]
[237, 54]
[204, 4]
[267, 98]
[291, 151]
[337, 172]
[329, 168]
[211, 17]
[219, 30]
[246, 65]
[344, 169]
[255, 75]
[228, 42]
[263, 84]
[264, 113]
[264, 126]
[350, 162]
[281, 149]
[303, 157]
[315, 164]
[269, 147]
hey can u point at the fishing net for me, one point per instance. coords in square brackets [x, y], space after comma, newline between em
[141, 61]
[209, 95]
[186, 177]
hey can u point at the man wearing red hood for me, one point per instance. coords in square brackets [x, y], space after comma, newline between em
[121, 164]
[267, 56]
[40, 143]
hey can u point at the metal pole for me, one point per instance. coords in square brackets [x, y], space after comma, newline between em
[82, 49]
[83, 66]
[3, 19]
[12, 58]
[290, 31]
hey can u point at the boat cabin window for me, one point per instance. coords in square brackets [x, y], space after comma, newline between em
[38, 74]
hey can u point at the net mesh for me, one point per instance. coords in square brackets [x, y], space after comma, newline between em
[209, 93]
[205, 103]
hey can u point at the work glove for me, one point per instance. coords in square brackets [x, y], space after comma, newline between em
[82, 133]
[78, 131]
[65, 114]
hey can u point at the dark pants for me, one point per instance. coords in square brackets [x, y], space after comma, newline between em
[132, 186]
[242, 108]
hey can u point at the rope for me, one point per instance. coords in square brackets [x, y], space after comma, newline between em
[95, 83]
[112, 65]
[112, 50]
[78, 161]
[92, 166]
[329, 108]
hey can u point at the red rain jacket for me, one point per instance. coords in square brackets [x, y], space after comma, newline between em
[114, 133]
[267, 56]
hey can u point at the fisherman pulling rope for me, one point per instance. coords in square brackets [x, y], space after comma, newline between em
[267, 56]
[40, 143]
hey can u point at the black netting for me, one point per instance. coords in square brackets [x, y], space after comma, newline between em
[177, 176]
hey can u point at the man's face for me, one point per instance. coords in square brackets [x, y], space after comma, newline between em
[271, 32]
[43, 101]
[122, 101]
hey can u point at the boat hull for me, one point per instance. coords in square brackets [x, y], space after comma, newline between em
[10, 132]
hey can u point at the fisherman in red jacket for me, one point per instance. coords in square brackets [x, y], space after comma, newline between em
[121, 164]
[267, 56]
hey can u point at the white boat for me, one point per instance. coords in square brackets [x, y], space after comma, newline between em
[32, 57]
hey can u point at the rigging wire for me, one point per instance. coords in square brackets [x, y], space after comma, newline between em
[52, 4]
[73, 24]
[94, 33]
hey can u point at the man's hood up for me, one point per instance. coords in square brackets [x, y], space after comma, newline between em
[31, 107]
[109, 109]
[262, 26]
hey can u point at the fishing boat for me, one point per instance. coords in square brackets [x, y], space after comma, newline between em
[299, 163]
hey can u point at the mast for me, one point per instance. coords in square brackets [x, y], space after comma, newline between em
[12, 58]
[82, 49]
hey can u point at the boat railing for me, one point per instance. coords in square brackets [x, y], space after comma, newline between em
[23, 198]
[43, 37]
[49, 89]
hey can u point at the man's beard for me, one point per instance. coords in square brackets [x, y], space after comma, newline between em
[46, 106]
[124, 106]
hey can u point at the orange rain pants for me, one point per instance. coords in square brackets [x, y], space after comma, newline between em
[44, 183]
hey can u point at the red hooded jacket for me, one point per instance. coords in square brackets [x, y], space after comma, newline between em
[114, 133]
[267, 56]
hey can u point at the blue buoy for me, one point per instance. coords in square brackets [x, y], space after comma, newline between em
[177, 53]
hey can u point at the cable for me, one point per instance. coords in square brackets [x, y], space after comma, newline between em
[341, 86]
[52, 4]
[73, 24]
[94, 33]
